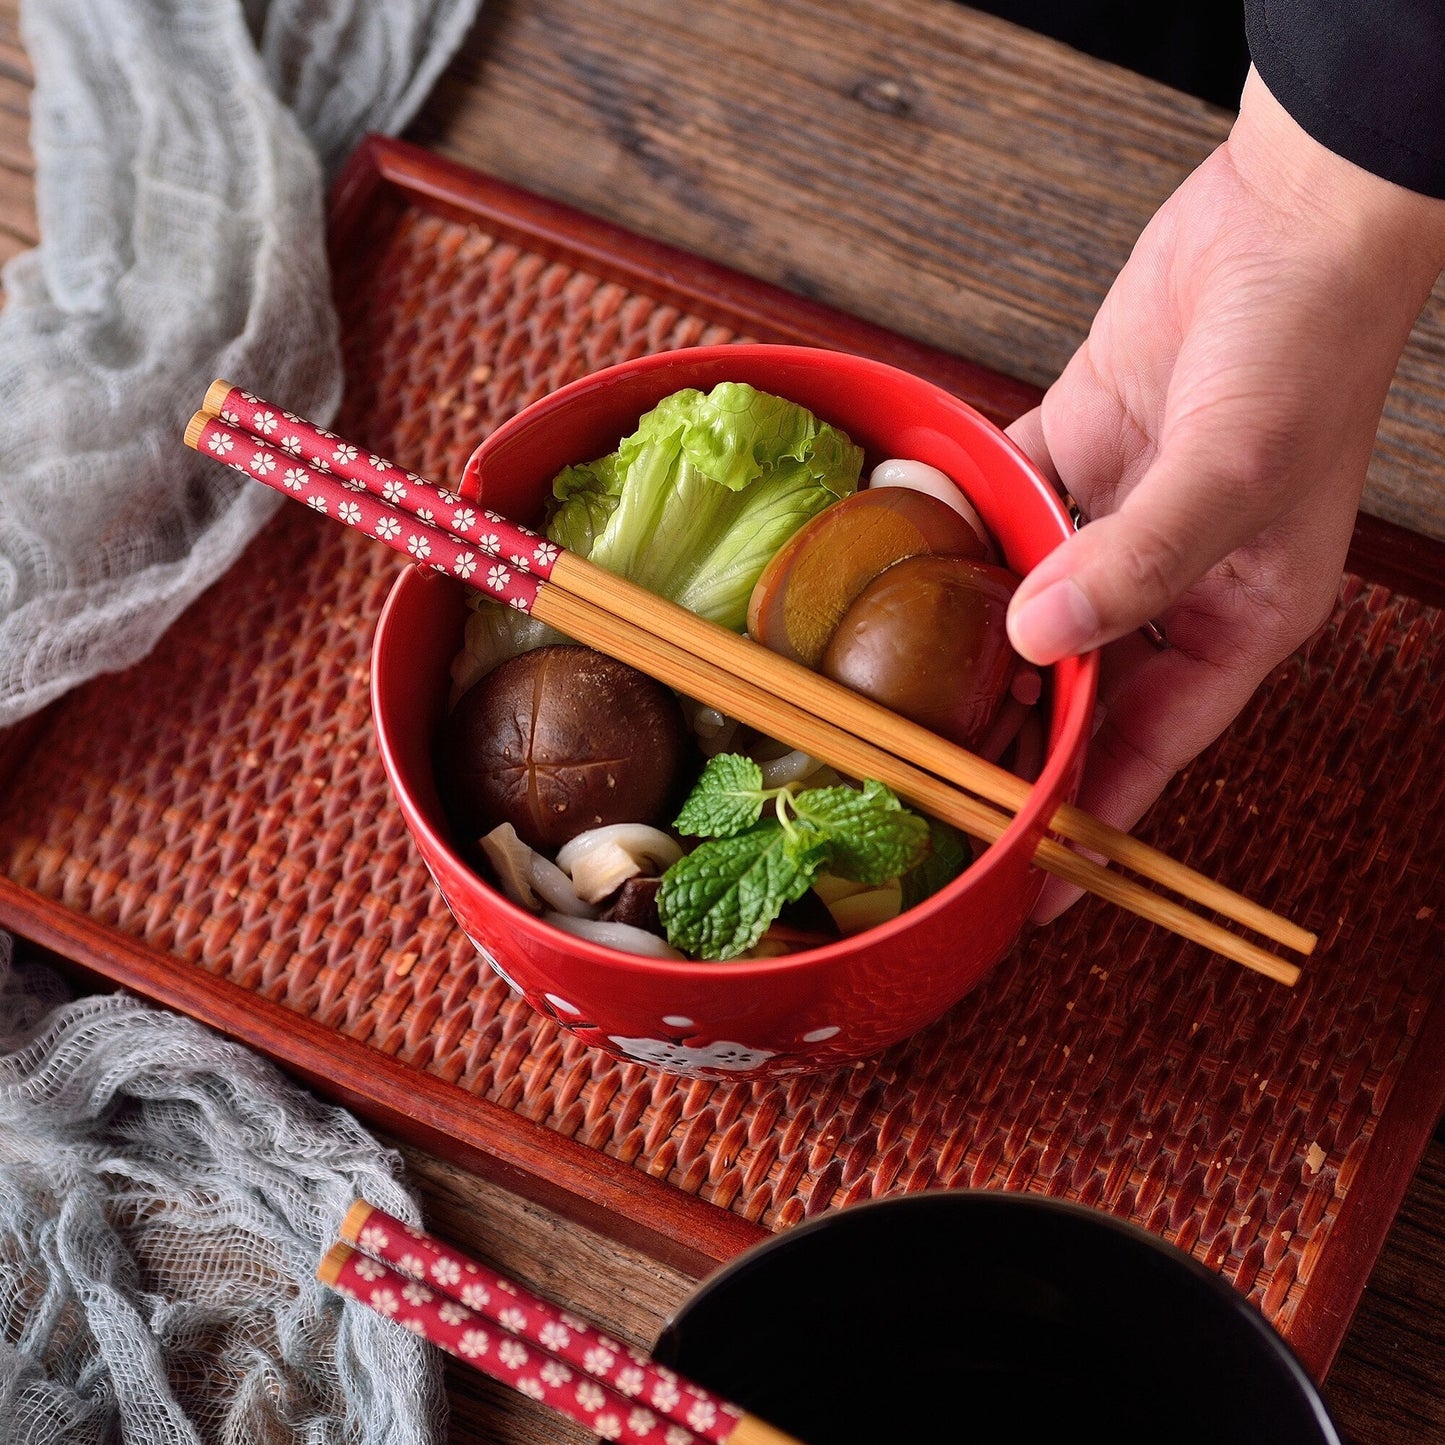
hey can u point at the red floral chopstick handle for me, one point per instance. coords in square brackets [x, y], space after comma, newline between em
[479, 1341]
[302, 441]
[564, 1335]
[414, 534]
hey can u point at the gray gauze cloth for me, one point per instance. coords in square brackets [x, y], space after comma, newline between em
[182, 148]
[165, 1196]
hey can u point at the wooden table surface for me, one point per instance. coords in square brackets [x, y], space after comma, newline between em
[946, 175]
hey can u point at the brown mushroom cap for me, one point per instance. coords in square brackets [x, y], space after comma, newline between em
[559, 740]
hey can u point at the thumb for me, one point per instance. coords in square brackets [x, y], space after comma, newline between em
[1122, 570]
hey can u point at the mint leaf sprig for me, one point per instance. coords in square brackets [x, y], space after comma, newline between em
[718, 900]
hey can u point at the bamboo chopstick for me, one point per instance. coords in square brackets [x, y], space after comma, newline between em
[524, 1341]
[789, 723]
[891, 733]
[711, 664]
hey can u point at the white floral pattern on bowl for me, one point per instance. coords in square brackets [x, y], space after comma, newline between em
[718, 1059]
[723, 1055]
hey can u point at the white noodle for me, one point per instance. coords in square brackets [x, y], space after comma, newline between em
[648, 845]
[556, 887]
[720, 741]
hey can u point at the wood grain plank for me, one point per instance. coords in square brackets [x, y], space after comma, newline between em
[910, 161]
[625, 1290]
[809, 152]
[1386, 1385]
[15, 154]
[15, 64]
[19, 225]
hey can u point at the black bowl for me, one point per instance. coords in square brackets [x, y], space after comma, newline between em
[990, 1317]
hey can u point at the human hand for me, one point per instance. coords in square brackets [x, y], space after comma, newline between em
[1216, 426]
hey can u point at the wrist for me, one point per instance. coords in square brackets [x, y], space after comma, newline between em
[1353, 209]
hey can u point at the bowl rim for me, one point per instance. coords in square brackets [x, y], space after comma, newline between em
[1075, 722]
[973, 1201]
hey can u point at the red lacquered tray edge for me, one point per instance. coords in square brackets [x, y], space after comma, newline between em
[576, 1181]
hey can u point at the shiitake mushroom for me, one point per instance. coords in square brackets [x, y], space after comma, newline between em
[927, 638]
[559, 740]
[635, 904]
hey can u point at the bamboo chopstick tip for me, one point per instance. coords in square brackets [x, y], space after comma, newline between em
[216, 395]
[196, 426]
[355, 1220]
[752, 1431]
[332, 1262]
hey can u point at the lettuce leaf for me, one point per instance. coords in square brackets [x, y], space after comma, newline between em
[695, 502]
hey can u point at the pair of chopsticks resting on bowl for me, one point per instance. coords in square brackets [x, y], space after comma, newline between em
[520, 1340]
[717, 667]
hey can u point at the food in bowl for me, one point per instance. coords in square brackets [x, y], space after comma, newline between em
[756, 1016]
[740, 505]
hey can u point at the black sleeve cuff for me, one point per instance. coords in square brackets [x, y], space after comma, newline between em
[1365, 80]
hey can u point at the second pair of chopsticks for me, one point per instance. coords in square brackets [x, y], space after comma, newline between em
[521, 1340]
[800, 708]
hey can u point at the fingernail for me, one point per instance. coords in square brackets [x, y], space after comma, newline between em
[1059, 622]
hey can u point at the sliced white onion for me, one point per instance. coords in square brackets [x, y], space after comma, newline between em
[556, 888]
[492, 635]
[511, 861]
[621, 936]
[898, 472]
[867, 908]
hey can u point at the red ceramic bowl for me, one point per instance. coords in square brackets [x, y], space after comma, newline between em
[805, 1011]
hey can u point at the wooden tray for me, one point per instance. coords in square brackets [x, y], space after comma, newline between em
[212, 829]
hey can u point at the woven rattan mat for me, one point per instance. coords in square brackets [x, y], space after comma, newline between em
[224, 802]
